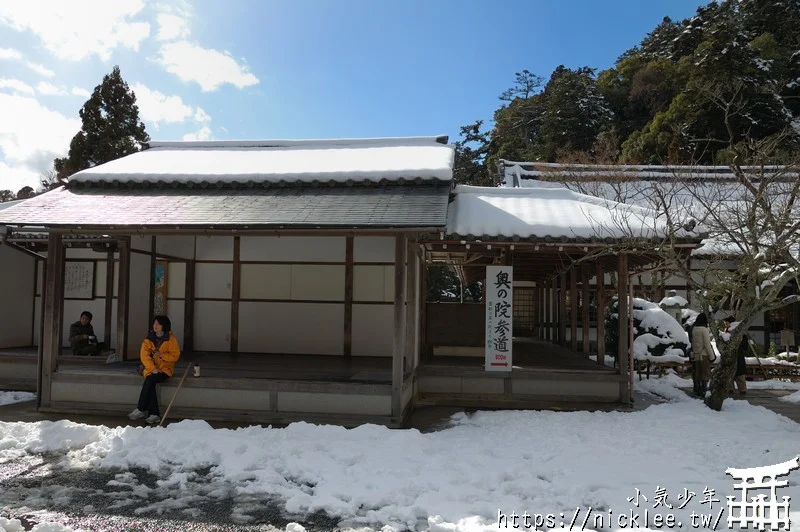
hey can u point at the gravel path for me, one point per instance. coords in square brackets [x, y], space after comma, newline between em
[37, 489]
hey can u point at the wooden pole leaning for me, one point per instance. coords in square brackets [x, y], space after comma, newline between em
[185, 373]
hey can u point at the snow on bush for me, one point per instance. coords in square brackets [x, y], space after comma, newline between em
[656, 335]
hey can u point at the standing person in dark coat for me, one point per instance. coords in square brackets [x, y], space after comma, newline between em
[81, 336]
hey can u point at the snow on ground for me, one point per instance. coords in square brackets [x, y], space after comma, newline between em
[793, 398]
[8, 398]
[484, 466]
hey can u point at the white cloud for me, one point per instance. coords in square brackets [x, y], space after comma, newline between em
[204, 133]
[16, 86]
[201, 116]
[16, 55]
[49, 89]
[78, 91]
[10, 53]
[40, 69]
[171, 27]
[76, 30]
[31, 136]
[155, 107]
[207, 67]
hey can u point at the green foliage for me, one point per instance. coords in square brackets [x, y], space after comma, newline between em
[444, 286]
[6, 195]
[25, 193]
[110, 128]
[471, 150]
[773, 350]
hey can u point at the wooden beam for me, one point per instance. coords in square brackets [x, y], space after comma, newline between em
[188, 309]
[399, 326]
[562, 311]
[123, 298]
[411, 308]
[600, 286]
[236, 292]
[348, 296]
[585, 310]
[622, 354]
[573, 304]
[53, 314]
[109, 298]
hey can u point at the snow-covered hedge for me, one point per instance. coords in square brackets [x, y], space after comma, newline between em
[656, 334]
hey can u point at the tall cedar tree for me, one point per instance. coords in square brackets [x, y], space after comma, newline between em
[111, 128]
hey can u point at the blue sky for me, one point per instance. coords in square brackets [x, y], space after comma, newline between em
[291, 68]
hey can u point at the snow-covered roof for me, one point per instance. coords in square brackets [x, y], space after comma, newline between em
[546, 213]
[281, 161]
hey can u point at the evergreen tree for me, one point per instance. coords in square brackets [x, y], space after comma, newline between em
[25, 193]
[6, 195]
[110, 128]
[471, 150]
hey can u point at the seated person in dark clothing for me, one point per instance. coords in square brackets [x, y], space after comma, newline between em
[81, 336]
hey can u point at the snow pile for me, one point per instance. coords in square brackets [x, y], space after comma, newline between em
[275, 161]
[9, 398]
[456, 479]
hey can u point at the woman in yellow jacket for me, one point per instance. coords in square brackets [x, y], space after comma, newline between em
[159, 353]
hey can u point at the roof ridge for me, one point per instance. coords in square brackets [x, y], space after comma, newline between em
[306, 143]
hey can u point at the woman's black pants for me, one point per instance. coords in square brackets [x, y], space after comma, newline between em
[148, 398]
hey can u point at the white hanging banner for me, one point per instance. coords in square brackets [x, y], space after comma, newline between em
[499, 317]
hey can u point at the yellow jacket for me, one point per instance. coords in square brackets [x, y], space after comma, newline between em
[169, 353]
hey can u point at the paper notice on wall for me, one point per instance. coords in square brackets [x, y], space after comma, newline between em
[499, 318]
[79, 280]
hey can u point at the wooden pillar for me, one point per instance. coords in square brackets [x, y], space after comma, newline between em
[548, 308]
[573, 303]
[600, 286]
[188, 309]
[537, 311]
[399, 327]
[585, 309]
[622, 354]
[423, 309]
[348, 296]
[236, 293]
[411, 308]
[109, 298]
[562, 311]
[123, 298]
[151, 303]
[53, 316]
